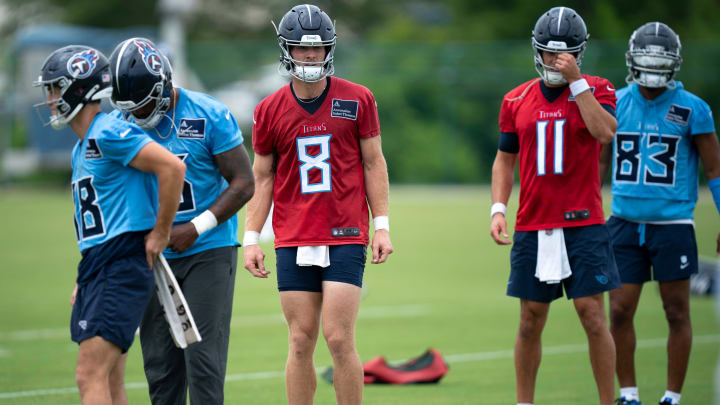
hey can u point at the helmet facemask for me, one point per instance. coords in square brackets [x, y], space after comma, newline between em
[652, 66]
[549, 73]
[60, 110]
[162, 100]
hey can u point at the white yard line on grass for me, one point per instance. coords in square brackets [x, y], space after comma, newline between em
[565, 349]
[35, 334]
[452, 358]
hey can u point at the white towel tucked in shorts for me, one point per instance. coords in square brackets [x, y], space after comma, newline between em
[313, 256]
[552, 258]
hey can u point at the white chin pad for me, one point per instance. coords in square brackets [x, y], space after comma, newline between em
[308, 73]
[652, 80]
[149, 123]
[554, 77]
[57, 122]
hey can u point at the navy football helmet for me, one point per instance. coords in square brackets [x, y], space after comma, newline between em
[141, 75]
[70, 78]
[653, 56]
[306, 25]
[559, 30]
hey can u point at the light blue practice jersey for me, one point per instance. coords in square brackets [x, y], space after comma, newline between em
[655, 161]
[110, 196]
[203, 127]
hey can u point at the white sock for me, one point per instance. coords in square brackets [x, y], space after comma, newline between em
[629, 393]
[674, 397]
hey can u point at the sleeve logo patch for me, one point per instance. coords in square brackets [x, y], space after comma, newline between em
[344, 109]
[192, 128]
[678, 115]
[93, 150]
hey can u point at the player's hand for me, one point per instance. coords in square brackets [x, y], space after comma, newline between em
[381, 246]
[565, 63]
[155, 243]
[498, 229]
[254, 260]
[182, 237]
[73, 295]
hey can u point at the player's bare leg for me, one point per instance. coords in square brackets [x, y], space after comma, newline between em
[341, 302]
[302, 312]
[623, 304]
[528, 347]
[591, 311]
[676, 302]
[117, 382]
[96, 357]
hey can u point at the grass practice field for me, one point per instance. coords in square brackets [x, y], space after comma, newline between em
[444, 287]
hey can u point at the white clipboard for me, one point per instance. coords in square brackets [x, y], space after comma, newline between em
[183, 329]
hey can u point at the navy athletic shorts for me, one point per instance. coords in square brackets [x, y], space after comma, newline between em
[591, 262]
[114, 287]
[347, 265]
[670, 250]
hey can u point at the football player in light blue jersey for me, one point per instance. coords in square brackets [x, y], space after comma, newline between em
[119, 226]
[662, 130]
[202, 252]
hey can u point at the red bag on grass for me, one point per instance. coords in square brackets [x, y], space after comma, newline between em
[429, 367]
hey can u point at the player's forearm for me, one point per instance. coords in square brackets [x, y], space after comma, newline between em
[170, 185]
[503, 176]
[377, 186]
[234, 165]
[259, 205]
[708, 147]
[600, 123]
[233, 198]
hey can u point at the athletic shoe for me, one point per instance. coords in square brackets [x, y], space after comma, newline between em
[623, 401]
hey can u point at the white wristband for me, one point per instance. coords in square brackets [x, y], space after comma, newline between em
[497, 207]
[381, 222]
[251, 238]
[204, 222]
[578, 86]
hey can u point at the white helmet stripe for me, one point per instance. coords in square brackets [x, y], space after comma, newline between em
[560, 19]
[309, 13]
[119, 59]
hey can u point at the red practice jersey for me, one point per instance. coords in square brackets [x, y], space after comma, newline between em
[558, 158]
[319, 188]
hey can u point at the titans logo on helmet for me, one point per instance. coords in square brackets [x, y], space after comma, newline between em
[82, 64]
[150, 56]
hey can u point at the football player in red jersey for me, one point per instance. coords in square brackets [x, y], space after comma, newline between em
[318, 158]
[554, 127]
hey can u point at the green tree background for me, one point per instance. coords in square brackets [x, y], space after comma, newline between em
[438, 69]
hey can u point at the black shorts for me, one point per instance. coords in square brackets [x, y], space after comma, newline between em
[591, 262]
[114, 287]
[347, 265]
[670, 250]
